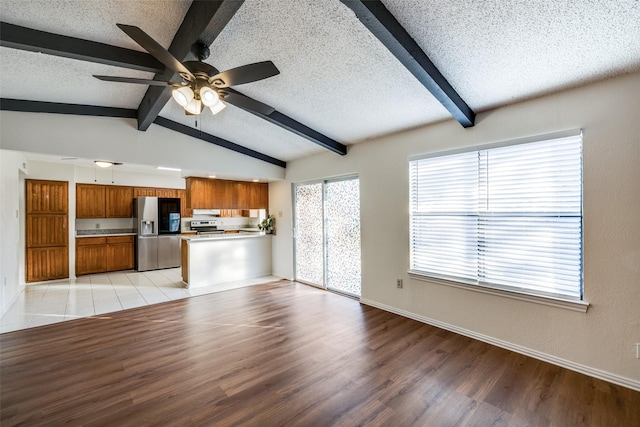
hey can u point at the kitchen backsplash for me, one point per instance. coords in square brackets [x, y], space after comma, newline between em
[224, 222]
[104, 223]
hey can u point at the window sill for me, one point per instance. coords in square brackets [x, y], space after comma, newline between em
[580, 306]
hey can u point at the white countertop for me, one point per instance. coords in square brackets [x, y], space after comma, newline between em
[209, 237]
[80, 236]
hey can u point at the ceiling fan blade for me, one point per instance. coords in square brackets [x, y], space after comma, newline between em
[133, 80]
[244, 74]
[246, 103]
[155, 49]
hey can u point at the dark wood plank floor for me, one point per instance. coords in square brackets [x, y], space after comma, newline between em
[285, 354]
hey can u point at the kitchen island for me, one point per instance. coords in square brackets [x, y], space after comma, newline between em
[220, 258]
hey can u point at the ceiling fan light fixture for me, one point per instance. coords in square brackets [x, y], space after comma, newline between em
[194, 107]
[209, 96]
[103, 163]
[183, 95]
[216, 108]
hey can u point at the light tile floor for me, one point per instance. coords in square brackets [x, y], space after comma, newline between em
[53, 302]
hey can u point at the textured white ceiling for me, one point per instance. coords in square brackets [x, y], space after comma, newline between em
[336, 77]
[500, 51]
[37, 77]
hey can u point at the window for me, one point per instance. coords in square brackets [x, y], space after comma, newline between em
[506, 217]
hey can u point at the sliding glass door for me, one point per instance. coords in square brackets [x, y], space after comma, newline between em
[327, 234]
[309, 234]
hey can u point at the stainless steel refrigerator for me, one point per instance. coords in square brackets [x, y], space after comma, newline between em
[157, 224]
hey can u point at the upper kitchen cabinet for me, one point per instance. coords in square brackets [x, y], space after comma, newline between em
[103, 201]
[144, 192]
[200, 193]
[90, 201]
[167, 192]
[252, 195]
[119, 201]
[203, 193]
[185, 211]
[47, 197]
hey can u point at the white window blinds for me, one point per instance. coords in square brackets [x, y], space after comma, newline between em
[507, 217]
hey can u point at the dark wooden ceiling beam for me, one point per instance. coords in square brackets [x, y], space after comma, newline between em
[25, 106]
[17, 37]
[382, 24]
[203, 22]
[212, 139]
[291, 125]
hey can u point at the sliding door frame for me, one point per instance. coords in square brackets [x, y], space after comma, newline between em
[323, 181]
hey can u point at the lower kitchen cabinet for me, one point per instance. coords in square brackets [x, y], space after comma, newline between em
[103, 254]
[47, 263]
[91, 255]
[119, 253]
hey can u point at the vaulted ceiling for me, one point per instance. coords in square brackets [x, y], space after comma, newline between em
[350, 70]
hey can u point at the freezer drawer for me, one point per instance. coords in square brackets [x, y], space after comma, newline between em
[147, 253]
[169, 251]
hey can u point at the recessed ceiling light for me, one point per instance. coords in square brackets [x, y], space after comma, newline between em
[169, 169]
[256, 180]
[212, 176]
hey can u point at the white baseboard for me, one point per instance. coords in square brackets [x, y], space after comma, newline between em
[587, 370]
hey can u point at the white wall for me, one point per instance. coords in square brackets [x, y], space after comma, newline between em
[119, 140]
[11, 256]
[600, 342]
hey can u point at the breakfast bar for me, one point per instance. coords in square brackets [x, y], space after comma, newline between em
[214, 259]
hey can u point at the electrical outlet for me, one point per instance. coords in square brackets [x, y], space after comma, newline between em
[638, 350]
[97, 225]
[399, 284]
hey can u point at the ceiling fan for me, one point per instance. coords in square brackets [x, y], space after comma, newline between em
[202, 84]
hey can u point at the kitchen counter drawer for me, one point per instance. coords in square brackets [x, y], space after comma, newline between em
[119, 239]
[91, 241]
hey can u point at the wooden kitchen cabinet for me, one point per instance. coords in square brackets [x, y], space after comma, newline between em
[225, 194]
[91, 255]
[230, 213]
[185, 211]
[200, 193]
[46, 230]
[144, 192]
[167, 192]
[119, 253]
[47, 263]
[104, 254]
[252, 195]
[203, 193]
[103, 201]
[90, 201]
[259, 196]
[119, 201]
[47, 197]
